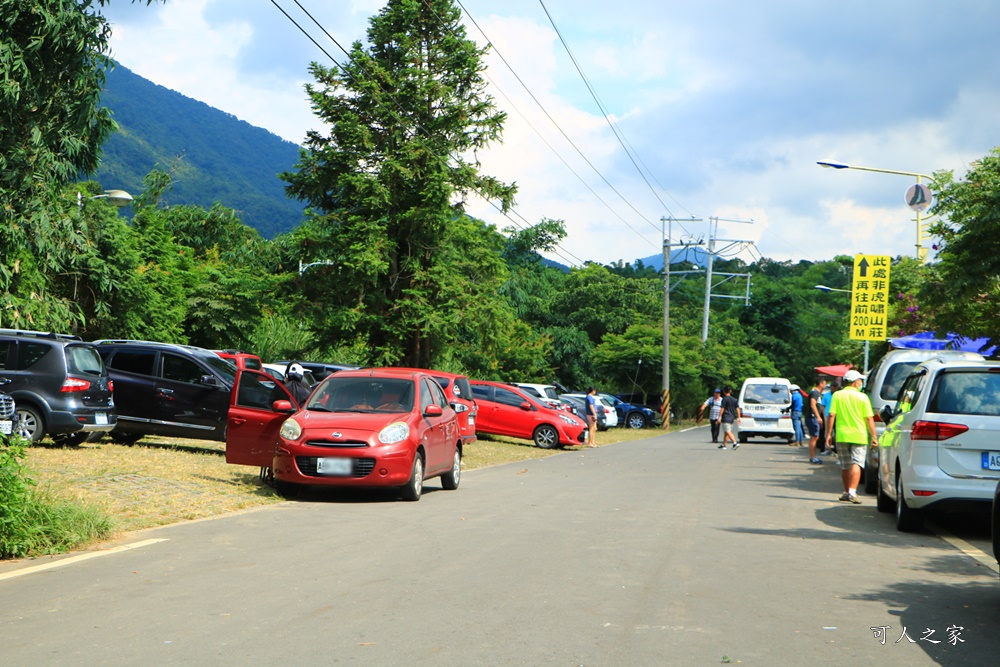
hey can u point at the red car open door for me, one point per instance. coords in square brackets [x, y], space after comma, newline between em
[253, 422]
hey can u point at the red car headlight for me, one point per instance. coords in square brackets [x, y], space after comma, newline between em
[290, 430]
[393, 433]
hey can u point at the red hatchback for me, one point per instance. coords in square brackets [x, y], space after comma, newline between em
[507, 410]
[459, 393]
[373, 427]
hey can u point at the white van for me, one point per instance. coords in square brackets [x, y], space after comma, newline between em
[766, 404]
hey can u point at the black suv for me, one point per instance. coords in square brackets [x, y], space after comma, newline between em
[172, 390]
[59, 384]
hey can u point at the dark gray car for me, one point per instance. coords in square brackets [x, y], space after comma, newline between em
[61, 387]
[177, 391]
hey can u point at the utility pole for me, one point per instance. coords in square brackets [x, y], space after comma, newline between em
[712, 231]
[667, 230]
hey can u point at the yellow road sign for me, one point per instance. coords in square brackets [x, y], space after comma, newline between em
[870, 297]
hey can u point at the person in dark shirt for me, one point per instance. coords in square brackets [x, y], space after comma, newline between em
[730, 415]
[815, 417]
[296, 385]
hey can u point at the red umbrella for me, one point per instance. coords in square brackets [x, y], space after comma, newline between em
[836, 371]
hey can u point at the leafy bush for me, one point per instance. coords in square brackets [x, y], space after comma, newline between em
[31, 522]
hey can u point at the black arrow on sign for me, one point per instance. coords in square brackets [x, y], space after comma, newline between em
[863, 265]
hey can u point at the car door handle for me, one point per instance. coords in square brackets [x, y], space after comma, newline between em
[166, 391]
[237, 421]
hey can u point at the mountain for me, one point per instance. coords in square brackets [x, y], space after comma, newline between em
[689, 255]
[214, 156]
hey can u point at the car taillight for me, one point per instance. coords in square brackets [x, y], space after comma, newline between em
[923, 430]
[111, 385]
[75, 384]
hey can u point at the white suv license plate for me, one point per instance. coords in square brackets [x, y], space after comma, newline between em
[991, 460]
[334, 466]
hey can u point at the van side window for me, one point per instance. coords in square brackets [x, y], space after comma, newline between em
[28, 354]
[4, 351]
[181, 369]
[134, 361]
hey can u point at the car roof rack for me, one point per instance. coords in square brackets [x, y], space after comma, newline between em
[39, 334]
[129, 341]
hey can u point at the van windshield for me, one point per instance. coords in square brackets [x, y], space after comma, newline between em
[766, 394]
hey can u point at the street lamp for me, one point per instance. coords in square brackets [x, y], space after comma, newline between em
[921, 251]
[118, 198]
[824, 288]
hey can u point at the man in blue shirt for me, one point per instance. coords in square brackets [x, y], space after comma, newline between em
[797, 414]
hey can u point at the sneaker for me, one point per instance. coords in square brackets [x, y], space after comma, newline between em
[844, 497]
[736, 445]
[815, 460]
[854, 499]
[829, 452]
[722, 446]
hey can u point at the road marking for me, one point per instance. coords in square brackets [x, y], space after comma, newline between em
[969, 550]
[77, 559]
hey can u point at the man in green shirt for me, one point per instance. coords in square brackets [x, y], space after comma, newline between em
[851, 413]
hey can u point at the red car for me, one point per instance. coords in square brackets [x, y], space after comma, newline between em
[507, 410]
[383, 427]
[456, 388]
[241, 359]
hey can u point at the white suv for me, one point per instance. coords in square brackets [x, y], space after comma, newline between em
[941, 444]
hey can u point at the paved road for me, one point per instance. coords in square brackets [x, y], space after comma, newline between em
[665, 551]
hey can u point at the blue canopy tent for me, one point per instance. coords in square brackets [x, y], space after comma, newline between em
[928, 340]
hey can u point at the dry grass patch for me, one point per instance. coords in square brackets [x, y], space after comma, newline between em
[155, 482]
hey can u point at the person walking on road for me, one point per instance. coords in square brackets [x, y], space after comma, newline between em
[714, 405]
[814, 418]
[797, 414]
[852, 416]
[730, 416]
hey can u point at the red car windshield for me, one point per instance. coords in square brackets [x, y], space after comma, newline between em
[362, 394]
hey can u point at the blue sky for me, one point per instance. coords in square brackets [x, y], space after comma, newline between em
[728, 106]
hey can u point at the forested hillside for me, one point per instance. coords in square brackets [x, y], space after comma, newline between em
[212, 156]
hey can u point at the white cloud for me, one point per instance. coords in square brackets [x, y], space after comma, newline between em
[728, 104]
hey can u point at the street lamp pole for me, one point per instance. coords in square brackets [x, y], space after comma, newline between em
[921, 251]
[824, 288]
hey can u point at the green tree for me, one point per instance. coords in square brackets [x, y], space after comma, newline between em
[964, 288]
[52, 63]
[385, 185]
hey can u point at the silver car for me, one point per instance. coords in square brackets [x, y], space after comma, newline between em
[882, 388]
[941, 443]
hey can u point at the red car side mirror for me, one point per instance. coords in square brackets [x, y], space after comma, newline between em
[433, 410]
[525, 406]
[283, 406]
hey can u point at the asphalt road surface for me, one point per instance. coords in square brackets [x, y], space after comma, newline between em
[665, 551]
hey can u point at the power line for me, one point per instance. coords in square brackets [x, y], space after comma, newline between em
[557, 126]
[600, 105]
